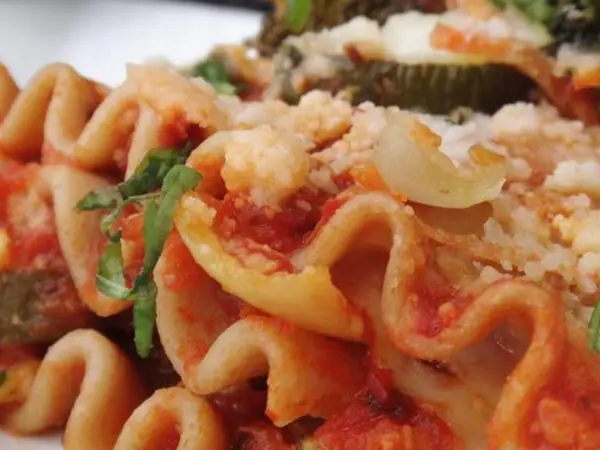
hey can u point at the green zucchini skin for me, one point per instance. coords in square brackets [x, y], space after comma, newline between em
[429, 88]
[331, 13]
[38, 307]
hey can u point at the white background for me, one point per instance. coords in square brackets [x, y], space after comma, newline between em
[98, 38]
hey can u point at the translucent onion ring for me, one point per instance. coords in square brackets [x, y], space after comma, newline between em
[410, 162]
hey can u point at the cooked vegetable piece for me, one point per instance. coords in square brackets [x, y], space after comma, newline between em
[215, 72]
[298, 12]
[38, 306]
[329, 13]
[431, 88]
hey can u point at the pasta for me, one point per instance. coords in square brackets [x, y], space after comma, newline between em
[174, 415]
[66, 386]
[301, 285]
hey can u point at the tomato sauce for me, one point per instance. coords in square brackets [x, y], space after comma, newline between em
[131, 223]
[283, 231]
[433, 291]
[382, 418]
[37, 244]
[180, 272]
[344, 181]
[11, 354]
[178, 133]
[568, 413]
[264, 437]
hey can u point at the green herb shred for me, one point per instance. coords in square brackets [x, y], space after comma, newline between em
[215, 73]
[594, 328]
[298, 13]
[3, 377]
[161, 169]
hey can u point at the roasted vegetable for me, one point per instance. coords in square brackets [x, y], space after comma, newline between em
[329, 13]
[394, 64]
[38, 307]
[431, 88]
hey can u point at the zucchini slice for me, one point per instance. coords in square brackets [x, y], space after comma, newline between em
[330, 13]
[430, 88]
[38, 307]
[394, 65]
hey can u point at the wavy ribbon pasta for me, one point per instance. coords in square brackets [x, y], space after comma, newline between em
[172, 416]
[79, 234]
[82, 377]
[307, 374]
[67, 118]
[500, 364]
[400, 304]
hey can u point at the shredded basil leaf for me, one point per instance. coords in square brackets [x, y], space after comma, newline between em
[298, 13]
[158, 225]
[215, 73]
[110, 279]
[162, 168]
[147, 177]
[99, 199]
[594, 328]
[152, 170]
[107, 222]
[152, 244]
[144, 315]
[3, 377]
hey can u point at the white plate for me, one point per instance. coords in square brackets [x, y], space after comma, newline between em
[98, 38]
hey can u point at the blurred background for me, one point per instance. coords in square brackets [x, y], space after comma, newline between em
[98, 37]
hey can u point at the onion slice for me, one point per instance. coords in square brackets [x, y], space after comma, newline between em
[410, 162]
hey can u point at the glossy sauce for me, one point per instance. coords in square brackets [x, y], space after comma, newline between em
[434, 291]
[567, 417]
[382, 418]
[11, 354]
[282, 231]
[38, 244]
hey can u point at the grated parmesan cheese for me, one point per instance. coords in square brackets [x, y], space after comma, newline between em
[269, 164]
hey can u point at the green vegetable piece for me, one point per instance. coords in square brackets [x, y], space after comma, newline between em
[594, 328]
[99, 199]
[3, 377]
[215, 73]
[110, 279]
[159, 222]
[298, 12]
[161, 168]
[39, 306]
[540, 11]
[144, 315]
[427, 87]
[152, 170]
